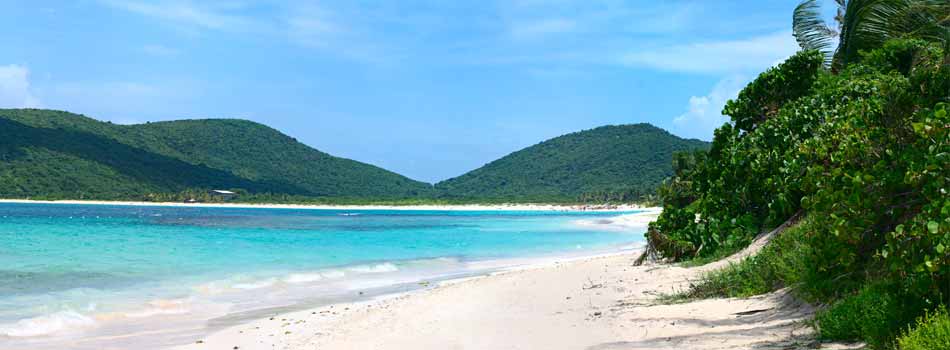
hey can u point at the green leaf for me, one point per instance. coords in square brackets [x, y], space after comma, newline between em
[932, 226]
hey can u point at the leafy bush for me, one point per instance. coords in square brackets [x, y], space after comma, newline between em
[763, 97]
[932, 332]
[872, 315]
[901, 56]
[876, 314]
[877, 171]
[865, 154]
[717, 201]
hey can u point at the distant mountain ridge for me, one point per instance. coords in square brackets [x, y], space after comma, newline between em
[60, 155]
[615, 162]
[54, 154]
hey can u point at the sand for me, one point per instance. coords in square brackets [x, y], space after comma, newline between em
[597, 303]
[590, 303]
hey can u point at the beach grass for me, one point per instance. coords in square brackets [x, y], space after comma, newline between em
[930, 332]
[783, 262]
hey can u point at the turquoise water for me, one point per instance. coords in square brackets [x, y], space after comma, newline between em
[87, 271]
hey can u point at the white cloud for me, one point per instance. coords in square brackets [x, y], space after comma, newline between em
[704, 113]
[603, 17]
[340, 32]
[557, 73]
[530, 29]
[15, 90]
[312, 26]
[160, 50]
[126, 102]
[304, 24]
[745, 55]
[185, 12]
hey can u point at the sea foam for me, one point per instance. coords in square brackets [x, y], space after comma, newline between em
[162, 307]
[47, 324]
[378, 268]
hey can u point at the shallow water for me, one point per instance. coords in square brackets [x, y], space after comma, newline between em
[94, 276]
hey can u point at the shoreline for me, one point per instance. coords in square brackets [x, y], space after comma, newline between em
[337, 312]
[411, 207]
[593, 302]
[477, 269]
[176, 336]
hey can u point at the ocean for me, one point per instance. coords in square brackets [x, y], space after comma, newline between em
[105, 276]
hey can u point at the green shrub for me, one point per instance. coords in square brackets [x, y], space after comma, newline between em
[783, 262]
[763, 97]
[876, 314]
[868, 316]
[866, 153]
[932, 332]
[878, 174]
[901, 56]
[718, 201]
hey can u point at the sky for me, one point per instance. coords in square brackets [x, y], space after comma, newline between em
[428, 89]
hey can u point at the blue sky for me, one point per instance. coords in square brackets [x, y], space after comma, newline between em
[429, 89]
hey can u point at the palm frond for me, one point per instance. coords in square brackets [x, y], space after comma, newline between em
[869, 23]
[923, 19]
[866, 24]
[839, 12]
[810, 30]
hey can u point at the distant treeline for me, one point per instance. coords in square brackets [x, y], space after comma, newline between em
[61, 155]
[617, 163]
[47, 154]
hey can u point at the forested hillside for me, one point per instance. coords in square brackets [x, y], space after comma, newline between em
[609, 163]
[60, 155]
[851, 144]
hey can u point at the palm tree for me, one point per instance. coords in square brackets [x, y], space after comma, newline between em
[866, 24]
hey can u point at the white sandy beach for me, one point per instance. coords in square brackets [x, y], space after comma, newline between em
[591, 303]
[472, 207]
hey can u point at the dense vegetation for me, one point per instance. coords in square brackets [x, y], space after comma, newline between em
[621, 163]
[59, 155]
[48, 154]
[857, 141]
[931, 331]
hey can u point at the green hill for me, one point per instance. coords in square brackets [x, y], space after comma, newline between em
[53, 154]
[60, 155]
[622, 162]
